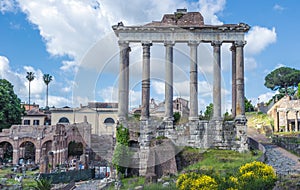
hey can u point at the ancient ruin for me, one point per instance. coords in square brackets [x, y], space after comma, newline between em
[44, 144]
[189, 28]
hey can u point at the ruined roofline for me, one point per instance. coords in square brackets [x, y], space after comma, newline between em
[182, 19]
[241, 27]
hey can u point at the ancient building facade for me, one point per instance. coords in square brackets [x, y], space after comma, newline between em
[286, 115]
[102, 116]
[185, 28]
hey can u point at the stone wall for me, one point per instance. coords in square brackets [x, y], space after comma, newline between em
[212, 134]
[159, 146]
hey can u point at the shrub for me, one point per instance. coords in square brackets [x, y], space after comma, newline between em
[256, 175]
[191, 181]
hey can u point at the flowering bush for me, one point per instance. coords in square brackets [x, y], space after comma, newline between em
[194, 181]
[256, 175]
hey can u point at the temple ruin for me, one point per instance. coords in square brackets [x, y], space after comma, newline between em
[188, 28]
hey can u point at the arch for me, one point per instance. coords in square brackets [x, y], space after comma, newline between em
[109, 121]
[6, 153]
[27, 150]
[47, 146]
[63, 120]
[75, 149]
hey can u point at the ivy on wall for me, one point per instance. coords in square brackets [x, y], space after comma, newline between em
[121, 158]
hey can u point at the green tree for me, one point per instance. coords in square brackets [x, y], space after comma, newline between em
[208, 112]
[282, 78]
[121, 155]
[10, 106]
[298, 93]
[248, 105]
[47, 79]
[30, 77]
[177, 117]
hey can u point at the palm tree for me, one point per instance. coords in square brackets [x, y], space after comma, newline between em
[30, 76]
[47, 79]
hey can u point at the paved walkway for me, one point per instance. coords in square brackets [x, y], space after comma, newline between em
[281, 160]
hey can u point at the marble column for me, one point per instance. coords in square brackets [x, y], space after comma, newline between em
[296, 121]
[145, 113]
[193, 81]
[217, 80]
[169, 81]
[233, 89]
[240, 91]
[123, 81]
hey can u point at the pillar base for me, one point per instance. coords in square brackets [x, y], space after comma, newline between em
[193, 119]
[217, 118]
[240, 119]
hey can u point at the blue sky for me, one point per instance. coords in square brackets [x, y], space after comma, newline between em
[72, 40]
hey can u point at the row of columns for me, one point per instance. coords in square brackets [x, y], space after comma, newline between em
[238, 105]
[287, 124]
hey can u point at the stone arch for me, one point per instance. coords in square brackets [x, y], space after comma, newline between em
[75, 149]
[6, 151]
[29, 139]
[63, 120]
[47, 146]
[27, 150]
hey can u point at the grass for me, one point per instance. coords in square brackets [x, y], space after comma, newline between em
[258, 119]
[27, 182]
[288, 134]
[223, 160]
[211, 160]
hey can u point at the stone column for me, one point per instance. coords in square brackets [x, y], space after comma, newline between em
[193, 81]
[276, 122]
[169, 82]
[233, 89]
[296, 121]
[145, 113]
[240, 91]
[286, 121]
[217, 80]
[123, 81]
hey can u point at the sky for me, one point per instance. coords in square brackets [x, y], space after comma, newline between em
[73, 41]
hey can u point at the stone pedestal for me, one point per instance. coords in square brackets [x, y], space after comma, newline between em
[241, 133]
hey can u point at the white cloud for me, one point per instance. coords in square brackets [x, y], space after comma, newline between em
[110, 94]
[250, 63]
[71, 27]
[279, 65]
[277, 7]
[37, 86]
[8, 6]
[263, 98]
[81, 30]
[209, 9]
[258, 38]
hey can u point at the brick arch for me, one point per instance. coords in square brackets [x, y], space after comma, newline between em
[6, 139]
[49, 137]
[29, 139]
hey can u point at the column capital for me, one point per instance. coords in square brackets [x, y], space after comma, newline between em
[123, 43]
[146, 43]
[239, 43]
[216, 43]
[169, 43]
[193, 43]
